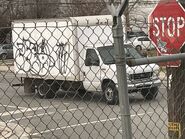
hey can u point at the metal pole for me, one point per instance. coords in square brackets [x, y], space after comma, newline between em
[156, 59]
[122, 77]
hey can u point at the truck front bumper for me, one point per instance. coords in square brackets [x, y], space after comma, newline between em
[141, 84]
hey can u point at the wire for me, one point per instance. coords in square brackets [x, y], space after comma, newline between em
[73, 3]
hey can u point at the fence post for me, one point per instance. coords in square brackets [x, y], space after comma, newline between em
[122, 77]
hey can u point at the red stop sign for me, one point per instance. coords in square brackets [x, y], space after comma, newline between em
[167, 26]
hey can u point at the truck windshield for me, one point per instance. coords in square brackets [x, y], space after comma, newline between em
[107, 54]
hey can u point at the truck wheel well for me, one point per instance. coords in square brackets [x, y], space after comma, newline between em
[106, 81]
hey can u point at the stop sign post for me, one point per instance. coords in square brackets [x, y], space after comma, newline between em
[167, 28]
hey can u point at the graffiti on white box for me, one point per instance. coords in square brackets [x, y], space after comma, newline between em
[37, 58]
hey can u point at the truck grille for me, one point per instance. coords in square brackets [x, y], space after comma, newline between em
[141, 76]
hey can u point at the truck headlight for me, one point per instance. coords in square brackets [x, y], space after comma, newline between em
[128, 78]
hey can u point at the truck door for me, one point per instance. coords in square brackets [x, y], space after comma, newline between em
[91, 70]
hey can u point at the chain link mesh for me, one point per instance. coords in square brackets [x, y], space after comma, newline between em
[61, 82]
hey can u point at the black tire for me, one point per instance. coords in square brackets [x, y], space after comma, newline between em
[139, 47]
[82, 93]
[110, 93]
[3, 56]
[44, 90]
[150, 93]
[55, 87]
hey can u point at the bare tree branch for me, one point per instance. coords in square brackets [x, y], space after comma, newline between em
[84, 7]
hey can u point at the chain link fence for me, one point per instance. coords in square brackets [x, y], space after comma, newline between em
[61, 82]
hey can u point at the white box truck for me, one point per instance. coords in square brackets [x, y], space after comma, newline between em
[75, 53]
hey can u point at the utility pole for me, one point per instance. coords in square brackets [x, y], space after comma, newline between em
[120, 58]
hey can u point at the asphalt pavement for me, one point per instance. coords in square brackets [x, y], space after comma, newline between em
[14, 131]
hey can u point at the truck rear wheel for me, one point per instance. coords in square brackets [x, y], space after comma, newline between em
[110, 93]
[3, 56]
[149, 93]
[44, 90]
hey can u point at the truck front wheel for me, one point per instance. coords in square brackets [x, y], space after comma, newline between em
[149, 93]
[110, 93]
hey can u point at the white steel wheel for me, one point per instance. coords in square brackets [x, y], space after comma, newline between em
[110, 93]
[3, 56]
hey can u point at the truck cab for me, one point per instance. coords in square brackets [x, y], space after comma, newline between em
[100, 73]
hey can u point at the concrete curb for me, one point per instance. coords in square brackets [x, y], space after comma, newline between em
[6, 68]
[13, 131]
